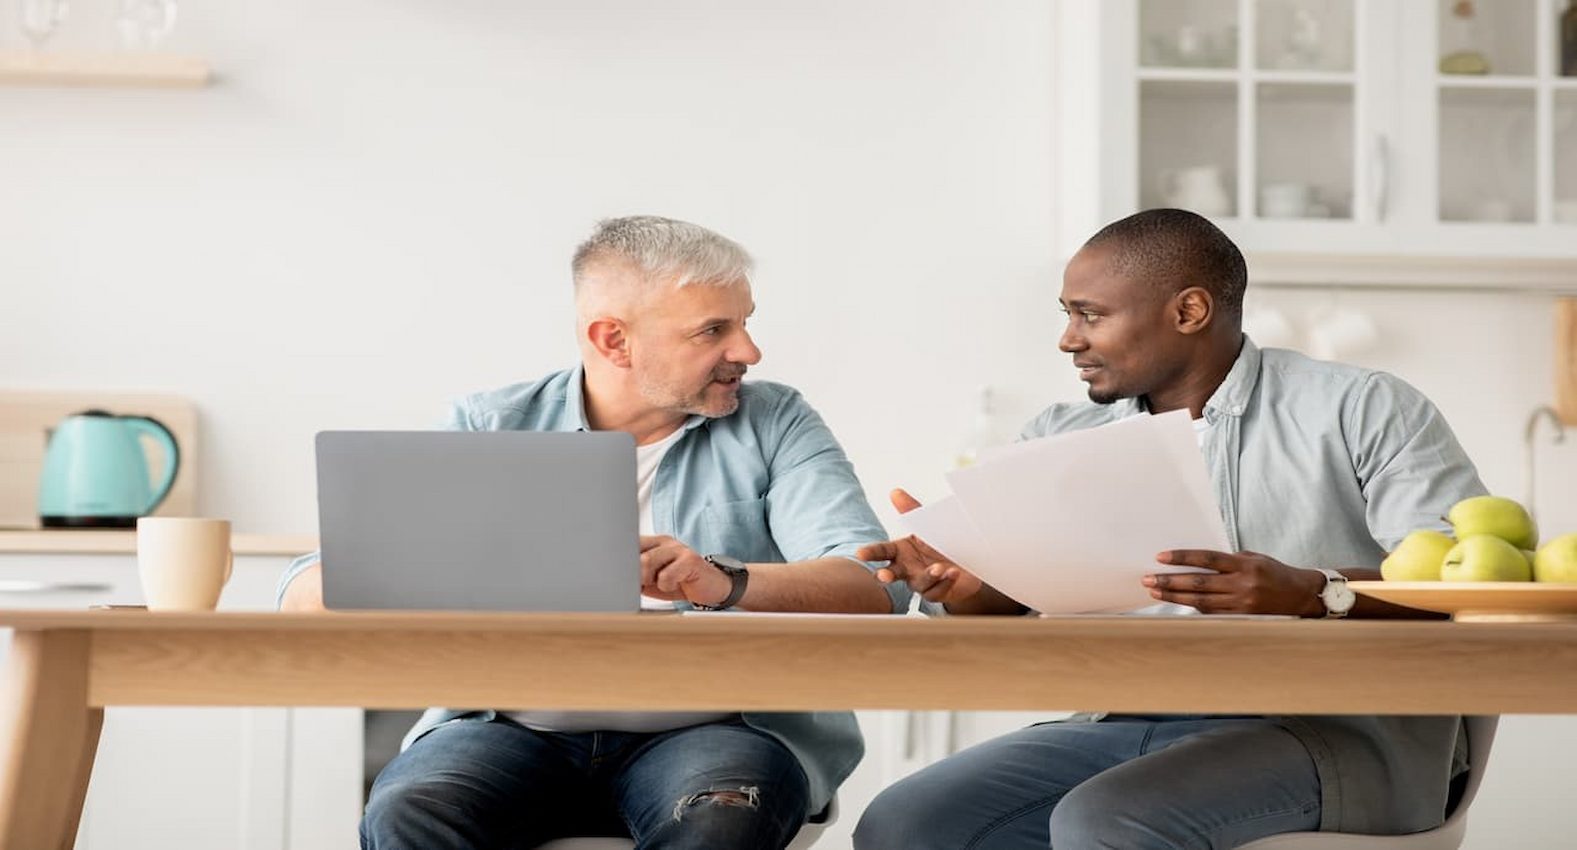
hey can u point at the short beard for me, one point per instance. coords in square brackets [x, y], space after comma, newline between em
[1104, 398]
[673, 398]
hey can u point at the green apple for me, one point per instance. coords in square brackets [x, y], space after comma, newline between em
[1557, 560]
[1417, 557]
[1485, 557]
[1495, 515]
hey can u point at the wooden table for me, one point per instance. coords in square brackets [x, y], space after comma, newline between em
[67, 666]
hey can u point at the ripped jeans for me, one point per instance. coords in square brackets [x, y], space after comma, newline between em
[491, 784]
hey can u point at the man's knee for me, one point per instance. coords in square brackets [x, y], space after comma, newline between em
[697, 805]
[1105, 815]
[400, 812]
[730, 816]
[896, 820]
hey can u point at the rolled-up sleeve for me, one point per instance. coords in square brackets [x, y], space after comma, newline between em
[816, 507]
[1409, 464]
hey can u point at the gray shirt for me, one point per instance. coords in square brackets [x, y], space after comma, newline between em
[1322, 464]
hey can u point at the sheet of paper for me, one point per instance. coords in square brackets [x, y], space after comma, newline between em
[1069, 524]
[946, 527]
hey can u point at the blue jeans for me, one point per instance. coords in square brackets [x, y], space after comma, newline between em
[492, 784]
[1135, 783]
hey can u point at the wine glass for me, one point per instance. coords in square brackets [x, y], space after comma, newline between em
[40, 19]
[145, 23]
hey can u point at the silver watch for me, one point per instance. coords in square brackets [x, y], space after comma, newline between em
[1336, 595]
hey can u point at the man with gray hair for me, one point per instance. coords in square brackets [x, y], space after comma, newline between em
[746, 501]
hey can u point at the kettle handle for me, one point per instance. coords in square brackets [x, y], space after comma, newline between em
[172, 455]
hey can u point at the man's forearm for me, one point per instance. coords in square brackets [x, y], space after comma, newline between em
[825, 585]
[305, 591]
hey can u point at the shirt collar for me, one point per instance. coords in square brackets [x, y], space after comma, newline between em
[1231, 398]
[573, 416]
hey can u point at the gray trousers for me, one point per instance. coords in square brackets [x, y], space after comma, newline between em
[1134, 783]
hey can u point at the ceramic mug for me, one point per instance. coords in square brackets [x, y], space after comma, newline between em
[183, 562]
[1198, 188]
[1285, 200]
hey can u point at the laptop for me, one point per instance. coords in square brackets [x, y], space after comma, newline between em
[478, 520]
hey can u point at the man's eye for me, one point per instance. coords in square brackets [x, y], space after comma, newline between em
[1089, 317]
[712, 331]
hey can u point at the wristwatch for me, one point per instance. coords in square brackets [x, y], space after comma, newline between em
[737, 573]
[1336, 595]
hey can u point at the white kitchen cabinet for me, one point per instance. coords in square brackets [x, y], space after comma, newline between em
[1325, 126]
[199, 778]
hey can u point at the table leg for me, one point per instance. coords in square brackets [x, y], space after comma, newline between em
[53, 735]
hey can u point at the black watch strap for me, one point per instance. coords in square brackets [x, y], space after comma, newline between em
[737, 574]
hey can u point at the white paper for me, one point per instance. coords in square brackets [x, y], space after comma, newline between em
[945, 526]
[1071, 523]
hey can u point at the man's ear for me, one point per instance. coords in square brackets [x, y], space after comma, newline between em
[1193, 309]
[611, 340]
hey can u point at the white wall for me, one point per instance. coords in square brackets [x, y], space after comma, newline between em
[373, 210]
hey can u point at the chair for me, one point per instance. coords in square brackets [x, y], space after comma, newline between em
[807, 835]
[1447, 836]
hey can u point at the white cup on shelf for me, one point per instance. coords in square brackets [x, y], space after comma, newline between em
[1285, 200]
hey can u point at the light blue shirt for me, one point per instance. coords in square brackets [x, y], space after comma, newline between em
[1322, 464]
[767, 483]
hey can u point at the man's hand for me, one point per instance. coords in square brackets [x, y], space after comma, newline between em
[305, 591]
[1245, 583]
[671, 570]
[926, 571]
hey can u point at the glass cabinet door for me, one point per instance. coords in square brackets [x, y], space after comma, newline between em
[1564, 207]
[1248, 109]
[1305, 90]
[1487, 106]
[1503, 108]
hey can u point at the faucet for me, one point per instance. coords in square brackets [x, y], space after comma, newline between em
[1528, 433]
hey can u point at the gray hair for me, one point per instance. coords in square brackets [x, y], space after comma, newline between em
[664, 248]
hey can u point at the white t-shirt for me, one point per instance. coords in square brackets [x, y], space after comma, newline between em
[647, 459]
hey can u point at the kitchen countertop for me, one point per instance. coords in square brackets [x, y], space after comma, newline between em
[78, 541]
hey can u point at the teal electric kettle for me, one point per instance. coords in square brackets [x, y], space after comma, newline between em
[96, 474]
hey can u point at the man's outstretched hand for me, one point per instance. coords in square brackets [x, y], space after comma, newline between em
[912, 561]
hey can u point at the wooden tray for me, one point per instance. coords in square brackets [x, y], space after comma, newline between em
[1480, 601]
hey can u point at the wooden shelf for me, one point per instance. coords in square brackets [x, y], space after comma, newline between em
[130, 70]
[1551, 276]
[107, 541]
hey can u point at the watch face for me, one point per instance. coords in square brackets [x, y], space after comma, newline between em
[1338, 597]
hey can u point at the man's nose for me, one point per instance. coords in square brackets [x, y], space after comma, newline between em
[744, 350]
[1071, 341]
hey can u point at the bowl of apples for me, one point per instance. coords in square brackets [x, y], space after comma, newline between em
[1491, 568]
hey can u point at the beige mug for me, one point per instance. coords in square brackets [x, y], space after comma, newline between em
[183, 562]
